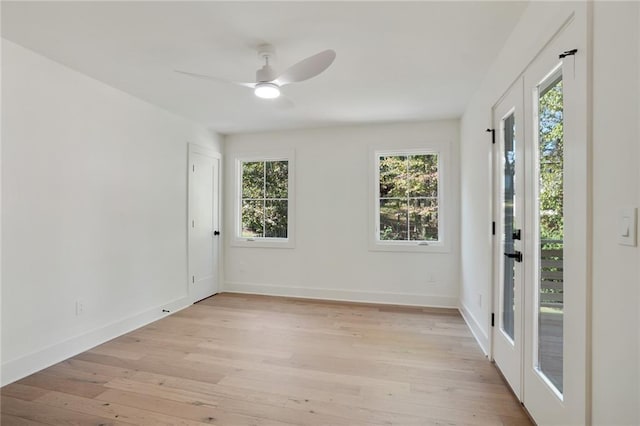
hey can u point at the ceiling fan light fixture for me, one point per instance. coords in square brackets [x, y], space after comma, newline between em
[267, 90]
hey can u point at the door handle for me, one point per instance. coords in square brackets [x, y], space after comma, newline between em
[515, 255]
[216, 233]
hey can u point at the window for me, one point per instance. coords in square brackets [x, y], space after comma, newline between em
[264, 202]
[408, 209]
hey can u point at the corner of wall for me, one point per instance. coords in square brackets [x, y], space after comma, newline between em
[358, 296]
[22, 367]
[476, 328]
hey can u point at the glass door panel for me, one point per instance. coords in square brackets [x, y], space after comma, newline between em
[508, 212]
[551, 229]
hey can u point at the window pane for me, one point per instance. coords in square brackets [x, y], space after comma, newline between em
[393, 219]
[393, 176]
[276, 218]
[408, 197]
[253, 179]
[277, 179]
[551, 225]
[423, 219]
[423, 175]
[252, 218]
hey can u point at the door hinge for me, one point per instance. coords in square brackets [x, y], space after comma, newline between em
[493, 319]
[193, 223]
[493, 135]
[493, 228]
[567, 53]
[193, 167]
[193, 279]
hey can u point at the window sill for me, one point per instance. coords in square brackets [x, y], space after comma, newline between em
[408, 247]
[280, 243]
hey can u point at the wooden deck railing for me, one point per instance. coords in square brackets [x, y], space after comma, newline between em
[551, 273]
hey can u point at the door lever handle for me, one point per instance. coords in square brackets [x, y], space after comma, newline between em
[515, 255]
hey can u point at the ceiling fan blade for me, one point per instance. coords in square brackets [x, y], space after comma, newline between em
[307, 68]
[249, 85]
[215, 79]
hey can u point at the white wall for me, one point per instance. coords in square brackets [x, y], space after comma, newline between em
[94, 197]
[331, 258]
[616, 183]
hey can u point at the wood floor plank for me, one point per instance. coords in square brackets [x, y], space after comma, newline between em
[165, 392]
[53, 416]
[157, 364]
[9, 420]
[117, 412]
[243, 360]
[70, 385]
[24, 392]
[316, 373]
[78, 365]
[188, 410]
[267, 407]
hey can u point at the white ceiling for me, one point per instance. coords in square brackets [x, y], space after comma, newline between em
[396, 61]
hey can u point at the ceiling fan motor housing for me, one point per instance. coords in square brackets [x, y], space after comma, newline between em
[266, 73]
[266, 52]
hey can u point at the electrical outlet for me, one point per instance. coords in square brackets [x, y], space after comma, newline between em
[79, 307]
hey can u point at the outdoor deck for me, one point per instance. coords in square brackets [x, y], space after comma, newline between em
[552, 308]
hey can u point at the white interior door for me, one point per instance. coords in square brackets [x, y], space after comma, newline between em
[509, 208]
[555, 368]
[204, 222]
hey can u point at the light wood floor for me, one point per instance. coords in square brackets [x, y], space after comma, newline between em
[254, 360]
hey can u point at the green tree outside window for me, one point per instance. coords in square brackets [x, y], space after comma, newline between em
[408, 197]
[265, 204]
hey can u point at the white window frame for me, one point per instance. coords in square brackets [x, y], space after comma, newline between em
[264, 242]
[440, 246]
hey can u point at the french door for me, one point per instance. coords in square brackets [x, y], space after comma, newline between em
[541, 244]
[509, 196]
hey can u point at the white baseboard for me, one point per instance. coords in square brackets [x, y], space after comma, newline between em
[388, 298]
[29, 364]
[478, 332]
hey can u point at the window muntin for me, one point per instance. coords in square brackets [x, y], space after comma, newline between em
[408, 198]
[264, 201]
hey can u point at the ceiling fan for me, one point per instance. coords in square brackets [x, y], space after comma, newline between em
[268, 82]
